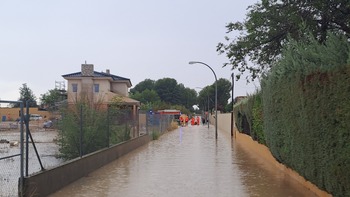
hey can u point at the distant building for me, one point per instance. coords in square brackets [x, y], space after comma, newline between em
[97, 87]
[101, 89]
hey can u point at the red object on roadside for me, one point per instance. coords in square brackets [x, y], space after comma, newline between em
[192, 121]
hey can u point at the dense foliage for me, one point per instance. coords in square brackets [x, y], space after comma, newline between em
[166, 93]
[143, 85]
[208, 94]
[307, 110]
[82, 130]
[50, 99]
[85, 128]
[249, 117]
[26, 94]
[270, 24]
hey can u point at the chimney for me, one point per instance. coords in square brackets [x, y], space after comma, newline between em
[107, 71]
[87, 70]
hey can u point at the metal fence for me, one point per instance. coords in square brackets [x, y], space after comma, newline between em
[11, 154]
[158, 123]
[27, 147]
[24, 149]
[92, 130]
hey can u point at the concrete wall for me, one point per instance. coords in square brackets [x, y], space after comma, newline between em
[120, 88]
[13, 113]
[49, 181]
[224, 122]
[73, 96]
[102, 95]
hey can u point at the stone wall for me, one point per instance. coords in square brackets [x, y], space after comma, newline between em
[13, 113]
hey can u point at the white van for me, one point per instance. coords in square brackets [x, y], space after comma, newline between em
[35, 117]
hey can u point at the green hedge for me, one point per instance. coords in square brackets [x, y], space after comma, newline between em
[306, 107]
[249, 117]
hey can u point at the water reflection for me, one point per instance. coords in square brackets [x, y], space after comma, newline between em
[263, 179]
[186, 162]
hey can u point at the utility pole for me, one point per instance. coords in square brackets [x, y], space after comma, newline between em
[233, 101]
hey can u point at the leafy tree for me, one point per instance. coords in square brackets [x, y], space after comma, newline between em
[188, 96]
[26, 94]
[270, 24]
[53, 96]
[167, 93]
[224, 88]
[147, 98]
[143, 85]
[164, 93]
[204, 97]
[168, 90]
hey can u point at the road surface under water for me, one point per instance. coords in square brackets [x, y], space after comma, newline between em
[187, 162]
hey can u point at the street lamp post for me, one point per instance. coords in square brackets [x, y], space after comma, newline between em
[232, 117]
[216, 96]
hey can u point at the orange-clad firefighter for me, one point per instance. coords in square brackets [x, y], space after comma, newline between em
[192, 121]
[183, 120]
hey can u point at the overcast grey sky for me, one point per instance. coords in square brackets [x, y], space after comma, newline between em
[137, 39]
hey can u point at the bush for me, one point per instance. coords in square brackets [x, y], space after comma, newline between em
[155, 135]
[257, 131]
[85, 129]
[306, 109]
[173, 125]
[82, 130]
[249, 117]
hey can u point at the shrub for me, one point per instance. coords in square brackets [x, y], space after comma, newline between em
[306, 109]
[81, 130]
[155, 135]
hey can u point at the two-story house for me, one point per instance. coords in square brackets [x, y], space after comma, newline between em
[99, 88]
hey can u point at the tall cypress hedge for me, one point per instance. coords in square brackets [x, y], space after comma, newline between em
[249, 117]
[306, 107]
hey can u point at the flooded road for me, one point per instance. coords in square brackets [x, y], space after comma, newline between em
[187, 162]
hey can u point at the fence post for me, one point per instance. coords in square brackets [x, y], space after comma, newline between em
[21, 179]
[108, 116]
[81, 132]
[26, 121]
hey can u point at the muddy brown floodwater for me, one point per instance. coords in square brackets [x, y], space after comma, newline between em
[187, 162]
[10, 168]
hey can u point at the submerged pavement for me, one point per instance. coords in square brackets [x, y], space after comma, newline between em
[188, 161]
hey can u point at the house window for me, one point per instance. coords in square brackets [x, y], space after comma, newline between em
[96, 87]
[75, 87]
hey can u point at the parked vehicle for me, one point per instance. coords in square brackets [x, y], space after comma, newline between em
[35, 117]
[47, 124]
